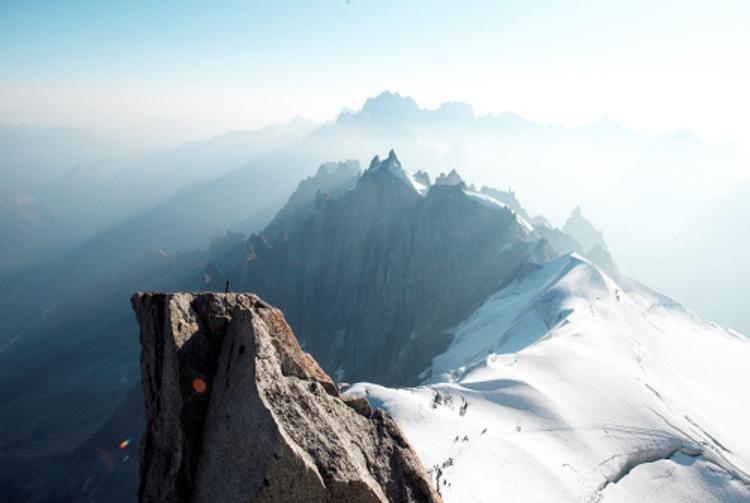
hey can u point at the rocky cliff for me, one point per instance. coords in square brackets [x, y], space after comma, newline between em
[236, 411]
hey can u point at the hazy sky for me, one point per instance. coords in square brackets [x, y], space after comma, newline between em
[170, 70]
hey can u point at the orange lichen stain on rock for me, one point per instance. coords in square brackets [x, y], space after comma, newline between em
[199, 385]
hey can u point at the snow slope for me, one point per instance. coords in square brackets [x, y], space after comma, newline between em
[569, 387]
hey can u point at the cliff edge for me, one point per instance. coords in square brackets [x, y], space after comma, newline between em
[236, 411]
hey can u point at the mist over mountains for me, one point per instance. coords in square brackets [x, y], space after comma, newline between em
[638, 188]
[375, 262]
[380, 262]
[74, 194]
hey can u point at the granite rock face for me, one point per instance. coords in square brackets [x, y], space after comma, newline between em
[236, 411]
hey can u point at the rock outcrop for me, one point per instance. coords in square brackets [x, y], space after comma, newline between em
[236, 411]
[452, 178]
[583, 231]
[591, 240]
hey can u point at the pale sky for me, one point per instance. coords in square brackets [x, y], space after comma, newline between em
[161, 72]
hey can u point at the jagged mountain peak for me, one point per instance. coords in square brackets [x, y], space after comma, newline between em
[452, 178]
[578, 235]
[397, 110]
[419, 182]
[328, 168]
[388, 105]
[583, 231]
[388, 96]
[390, 163]
[375, 256]
[392, 166]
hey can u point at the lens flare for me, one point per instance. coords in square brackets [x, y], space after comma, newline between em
[199, 385]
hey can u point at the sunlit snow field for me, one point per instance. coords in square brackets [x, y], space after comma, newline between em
[568, 386]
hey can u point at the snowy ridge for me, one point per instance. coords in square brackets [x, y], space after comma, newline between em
[492, 203]
[569, 386]
[516, 317]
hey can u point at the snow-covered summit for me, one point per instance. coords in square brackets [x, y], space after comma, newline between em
[569, 386]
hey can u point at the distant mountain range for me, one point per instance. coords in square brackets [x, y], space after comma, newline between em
[374, 268]
[104, 214]
[82, 195]
[31, 156]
